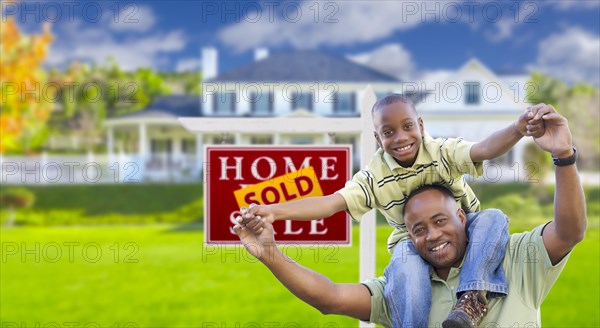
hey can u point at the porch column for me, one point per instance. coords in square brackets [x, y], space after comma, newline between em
[200, 154]
[277, 138]
[110, 143]
[142, 149]
[238, 138]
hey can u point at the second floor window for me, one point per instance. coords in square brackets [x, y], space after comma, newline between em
[344, 102]
[262, 103]
[472, 93]
[224, 103]
[302, 100]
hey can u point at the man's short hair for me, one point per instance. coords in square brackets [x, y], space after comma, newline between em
[392, 99]
[445, 191]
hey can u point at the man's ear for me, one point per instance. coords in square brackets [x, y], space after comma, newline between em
[377, 138]
[421, 125]
[462, 216]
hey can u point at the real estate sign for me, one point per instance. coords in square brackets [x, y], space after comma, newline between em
[237, 176]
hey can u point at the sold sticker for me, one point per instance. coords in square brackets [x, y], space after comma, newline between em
[291, 186]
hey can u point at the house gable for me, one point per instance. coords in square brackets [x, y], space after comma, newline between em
[473, 89]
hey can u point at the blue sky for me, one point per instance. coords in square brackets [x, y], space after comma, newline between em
[404, 38]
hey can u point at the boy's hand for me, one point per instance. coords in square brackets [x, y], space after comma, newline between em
[530, 122]
[263, 211]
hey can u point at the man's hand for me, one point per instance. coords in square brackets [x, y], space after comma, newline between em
[557, 138]
[257, 237]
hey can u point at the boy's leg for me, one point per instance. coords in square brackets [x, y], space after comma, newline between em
[487, 232]
[482, 275]
[408, 289]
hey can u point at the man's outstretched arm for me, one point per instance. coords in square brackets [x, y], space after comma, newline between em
[353, 300]
[570, 219]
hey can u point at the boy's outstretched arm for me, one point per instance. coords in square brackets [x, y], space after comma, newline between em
[498, 143]
[313, 208]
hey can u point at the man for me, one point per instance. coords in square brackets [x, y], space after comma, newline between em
[436, 225]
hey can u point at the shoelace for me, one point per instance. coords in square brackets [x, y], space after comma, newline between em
[474, 305]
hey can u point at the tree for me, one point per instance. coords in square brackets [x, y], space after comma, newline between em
[580, 104]
[23, 115]
[90, 94]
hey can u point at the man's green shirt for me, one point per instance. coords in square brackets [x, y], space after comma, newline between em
[529, 273]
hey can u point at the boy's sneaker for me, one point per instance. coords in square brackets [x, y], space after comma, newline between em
[468, 311]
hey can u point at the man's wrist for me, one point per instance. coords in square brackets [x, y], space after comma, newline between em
[565, 158]
[268, 253]
[563, 153]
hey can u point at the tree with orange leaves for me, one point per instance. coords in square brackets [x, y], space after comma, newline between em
[23, 109]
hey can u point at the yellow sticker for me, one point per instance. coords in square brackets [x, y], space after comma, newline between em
[288, 187]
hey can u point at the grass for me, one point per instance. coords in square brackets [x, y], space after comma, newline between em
[162, 276]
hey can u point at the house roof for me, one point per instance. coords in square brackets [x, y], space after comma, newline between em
[304, 66]
[170, 106]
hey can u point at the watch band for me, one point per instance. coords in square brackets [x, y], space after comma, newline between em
[565, 161]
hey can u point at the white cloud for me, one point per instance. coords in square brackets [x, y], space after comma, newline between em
[391, 59]
[511, 18]
[337, 23]
[132, 17]
[188, 64]
[503, 30]
[77, 41]
[427, 80]
[572, 55]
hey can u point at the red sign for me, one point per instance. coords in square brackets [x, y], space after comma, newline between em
[237, 176]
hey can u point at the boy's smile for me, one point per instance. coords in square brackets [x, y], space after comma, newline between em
[399, 131]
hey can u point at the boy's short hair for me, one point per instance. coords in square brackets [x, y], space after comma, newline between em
[442, 189]
[392, 99]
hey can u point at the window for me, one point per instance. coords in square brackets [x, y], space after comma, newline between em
[472, 93]
[261, 140]
[224, 103]
[301, 140]
[261, 102]
[344, 102]
[188, 146]
[302, 100]
[224, 139]
[160, 146]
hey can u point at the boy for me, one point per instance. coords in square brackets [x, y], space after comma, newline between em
[407, 159]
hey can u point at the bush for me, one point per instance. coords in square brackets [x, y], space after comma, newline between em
[17, 198]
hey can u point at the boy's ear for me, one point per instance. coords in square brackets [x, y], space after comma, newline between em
[377, 138]
[421, 125]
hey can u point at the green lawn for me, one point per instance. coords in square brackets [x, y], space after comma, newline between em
[162, 276]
